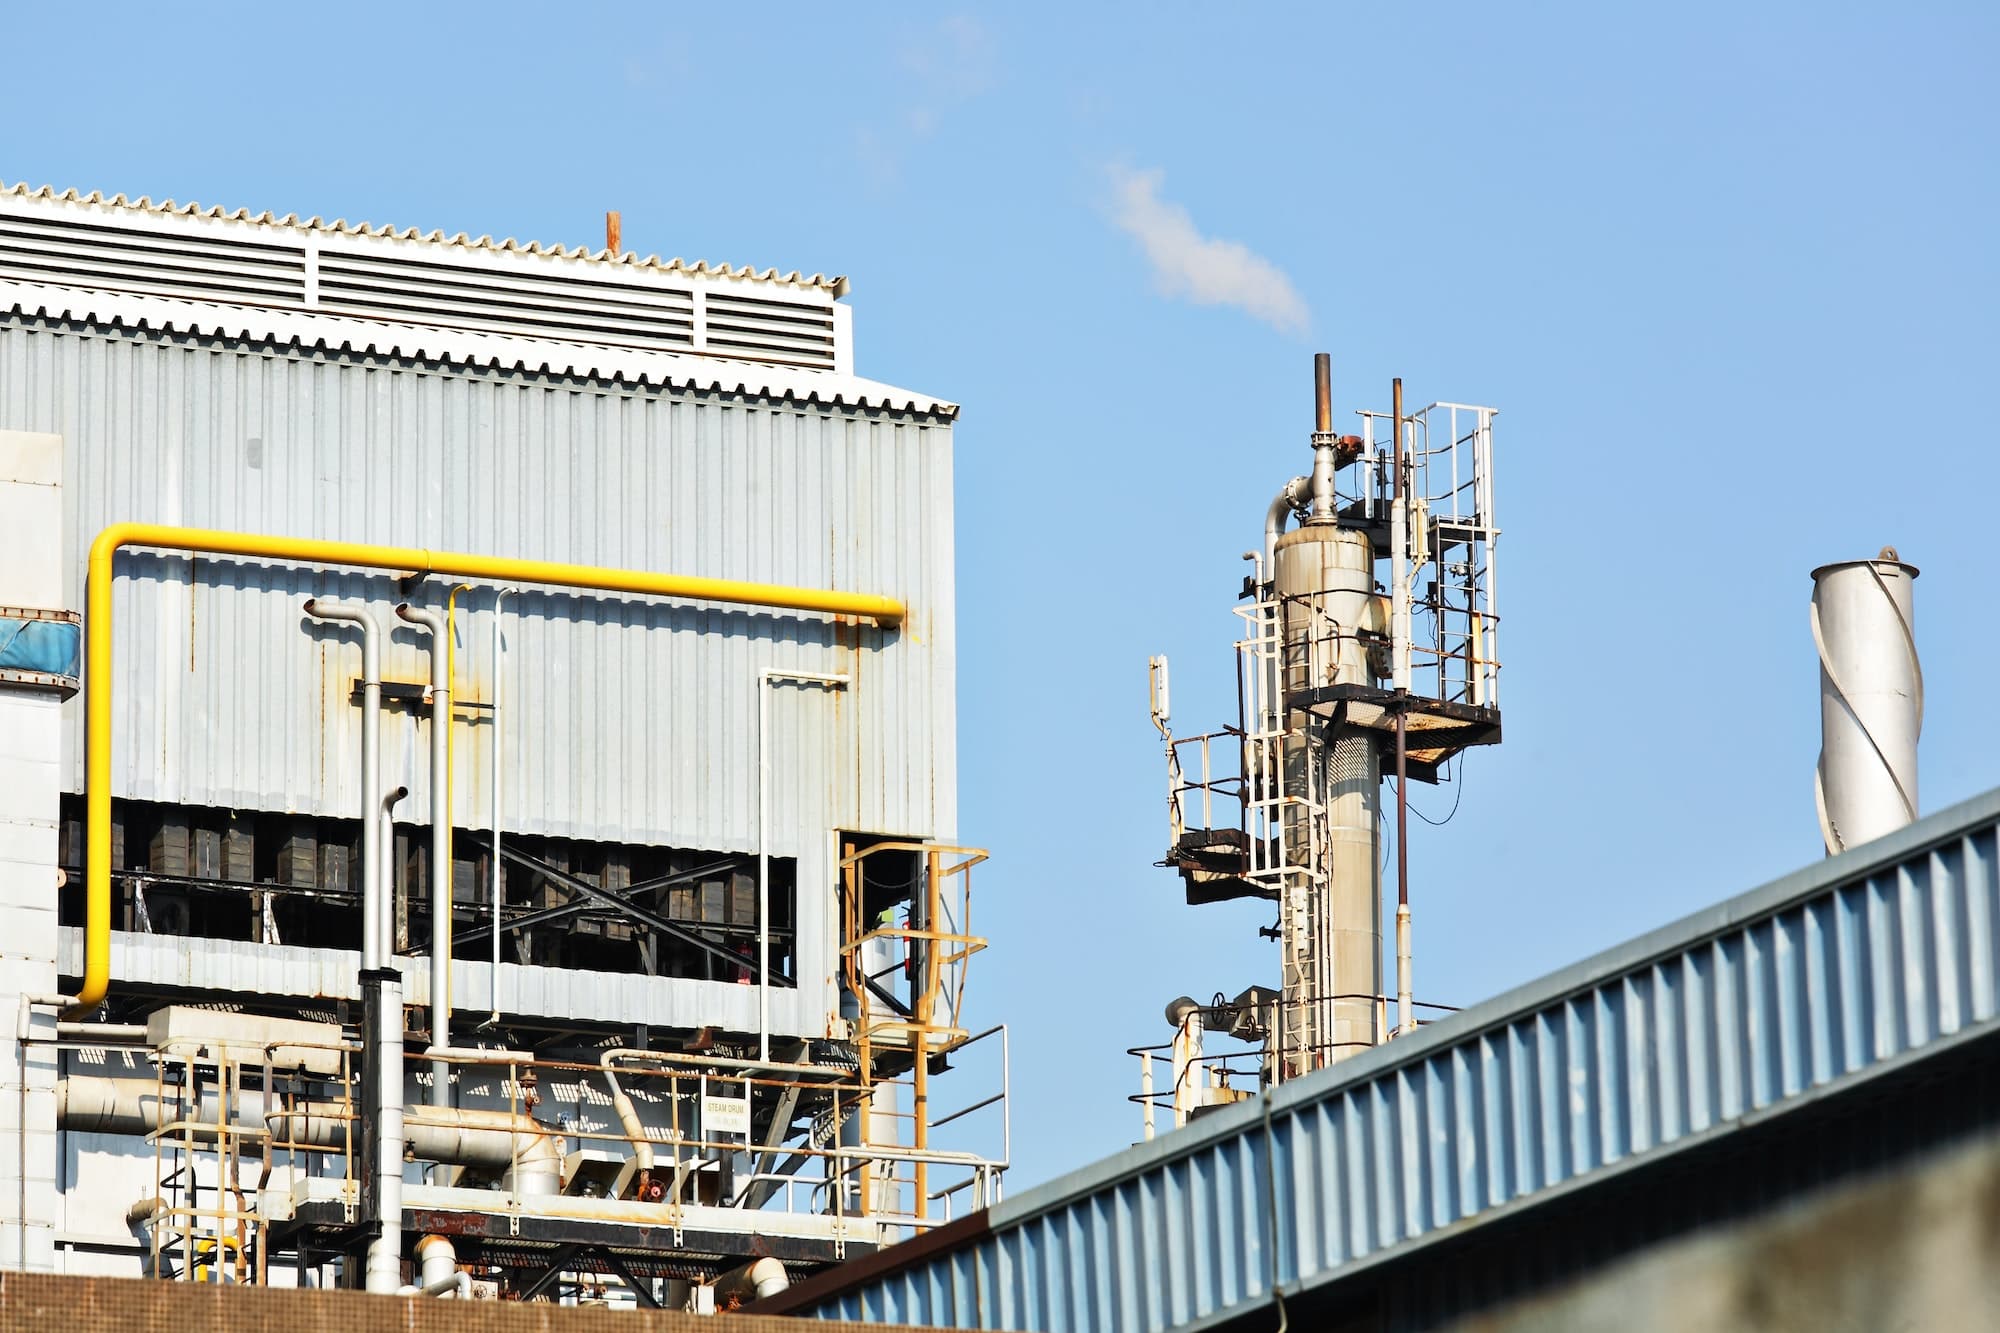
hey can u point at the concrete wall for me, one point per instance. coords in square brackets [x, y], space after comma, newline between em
[32, 560]
[1913, 1249]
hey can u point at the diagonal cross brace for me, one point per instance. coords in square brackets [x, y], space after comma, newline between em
[625, 898]
[644, 915]
[642, 1290]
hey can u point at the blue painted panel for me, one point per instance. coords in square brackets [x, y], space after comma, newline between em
[45, 646]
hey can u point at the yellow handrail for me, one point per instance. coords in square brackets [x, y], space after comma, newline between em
[884, 611]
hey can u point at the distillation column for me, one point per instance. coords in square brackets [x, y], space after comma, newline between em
[1331, 914]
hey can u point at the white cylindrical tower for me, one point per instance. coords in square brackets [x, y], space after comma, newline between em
[1871, 690]
[1331, 912]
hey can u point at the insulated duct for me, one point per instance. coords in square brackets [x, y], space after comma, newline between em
[1871, 698]
[455, 1136]
[635, 1129]
[758, 1280]
[1293, 496]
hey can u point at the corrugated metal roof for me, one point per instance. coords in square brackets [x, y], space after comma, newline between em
[1811, 989]
[836, 286]
[312, 330]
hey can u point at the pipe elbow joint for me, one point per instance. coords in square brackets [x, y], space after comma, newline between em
[1293, 496]
[420, 615]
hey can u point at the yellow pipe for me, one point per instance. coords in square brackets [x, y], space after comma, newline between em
[884, 611]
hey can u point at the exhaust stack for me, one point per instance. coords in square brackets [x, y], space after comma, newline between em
[1871, 698]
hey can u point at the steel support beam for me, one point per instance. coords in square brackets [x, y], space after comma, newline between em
[643, 915]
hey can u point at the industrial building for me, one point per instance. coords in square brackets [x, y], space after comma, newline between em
[507, 832]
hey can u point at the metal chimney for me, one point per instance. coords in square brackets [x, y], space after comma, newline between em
[1871, 698]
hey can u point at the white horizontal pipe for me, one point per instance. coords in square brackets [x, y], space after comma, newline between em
[90, 1104]
[456, 1136]
[111, 1034]
[757, 1280]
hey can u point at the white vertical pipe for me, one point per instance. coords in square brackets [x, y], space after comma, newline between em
[765, 679]
[385, 1251]
[384, 1265]
[1871, 698]
[763, 872]
[387, 916]
[440, 843]
[1406, 1019]
[371, 776]
[499, 770]
[1188, 1070]
[437, 1260]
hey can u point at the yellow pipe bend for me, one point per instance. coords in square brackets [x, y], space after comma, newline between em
[884, 611]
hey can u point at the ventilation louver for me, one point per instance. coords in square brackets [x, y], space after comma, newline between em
[384, 280]
[572, 309]
[68, 251]
[784, 330]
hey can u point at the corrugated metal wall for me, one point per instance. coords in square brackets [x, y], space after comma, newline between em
[1766, 1004]
[627, 720]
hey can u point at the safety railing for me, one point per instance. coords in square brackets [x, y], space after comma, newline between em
[1183, 1077]
[724, 1133]
[201, 1142]
[1454, 582]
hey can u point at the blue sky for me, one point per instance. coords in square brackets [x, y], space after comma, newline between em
[1729, 272]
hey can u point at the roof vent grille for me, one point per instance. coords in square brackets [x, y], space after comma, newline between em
[786, 331]
[67, 251]
[572, 309]
[407, 282]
